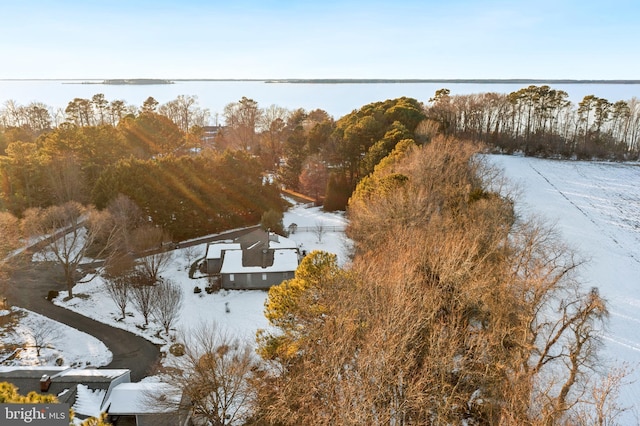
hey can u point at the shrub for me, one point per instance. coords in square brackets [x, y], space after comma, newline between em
[177, 349]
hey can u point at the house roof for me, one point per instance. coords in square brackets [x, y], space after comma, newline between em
[254, 238]
[214, 250]
[284, 260]
[255, 252]
[140, 398]
[88, 401]
[65, 381]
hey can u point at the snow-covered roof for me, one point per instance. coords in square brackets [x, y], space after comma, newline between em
[214, 251]
[284, 260]
[281, 242]
[108, 373]
[138, 398]
[62, 371]
[88, 401]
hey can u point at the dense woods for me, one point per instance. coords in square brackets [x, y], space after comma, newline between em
[454, 310]
[48, 157]
[157, 159]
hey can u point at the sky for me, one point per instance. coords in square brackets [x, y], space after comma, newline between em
[263, 39]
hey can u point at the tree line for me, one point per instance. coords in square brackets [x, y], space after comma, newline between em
[309, 151]
[45, 163]
[541, 121]
[153, 155]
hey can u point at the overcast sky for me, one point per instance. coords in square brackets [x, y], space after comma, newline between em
[575, 39]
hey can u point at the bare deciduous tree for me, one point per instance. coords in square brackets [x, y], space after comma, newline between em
[128, 216]
[150, 245]
[185, 112]
[70, 230]
[600, 404]
[143, 294]
[213, 376]
[119, 289]
[168, 303]
[319, 230]
[42, 333]
[191, 254]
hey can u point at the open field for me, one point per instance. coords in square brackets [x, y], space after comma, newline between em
[596, 208]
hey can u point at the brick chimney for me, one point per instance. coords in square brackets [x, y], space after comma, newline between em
[45, 382]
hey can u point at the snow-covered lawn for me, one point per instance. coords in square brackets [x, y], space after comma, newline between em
[30, 328]
[239, 313]
[243, 319]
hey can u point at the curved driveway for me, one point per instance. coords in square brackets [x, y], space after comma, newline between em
[30, 285]
[29, 288]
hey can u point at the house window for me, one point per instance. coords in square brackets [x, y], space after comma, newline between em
[264, 277]
[232, 277]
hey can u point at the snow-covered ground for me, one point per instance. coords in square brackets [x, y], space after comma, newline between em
[31, 328]
[596, 207]
[245, 307]
[238, 313]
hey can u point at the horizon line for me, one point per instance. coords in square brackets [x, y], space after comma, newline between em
[359, 80]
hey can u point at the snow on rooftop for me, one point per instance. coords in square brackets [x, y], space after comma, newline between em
[10, 368]
[281, 242]
[107, 373]
[214, 251]
[284, 260]
[137, 398]
[88, 401]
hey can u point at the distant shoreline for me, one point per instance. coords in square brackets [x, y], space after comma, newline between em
[453, 81]
[125, 82]
[142, 81]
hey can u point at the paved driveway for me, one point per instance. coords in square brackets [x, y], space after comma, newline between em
[28, 289]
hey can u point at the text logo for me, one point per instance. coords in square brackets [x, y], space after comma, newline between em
[34, 414]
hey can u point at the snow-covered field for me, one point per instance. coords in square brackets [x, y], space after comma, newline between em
[596, 208]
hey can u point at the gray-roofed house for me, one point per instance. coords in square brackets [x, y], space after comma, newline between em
[92, 391]
[145, 404]
[257, 260]
[84, 389]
